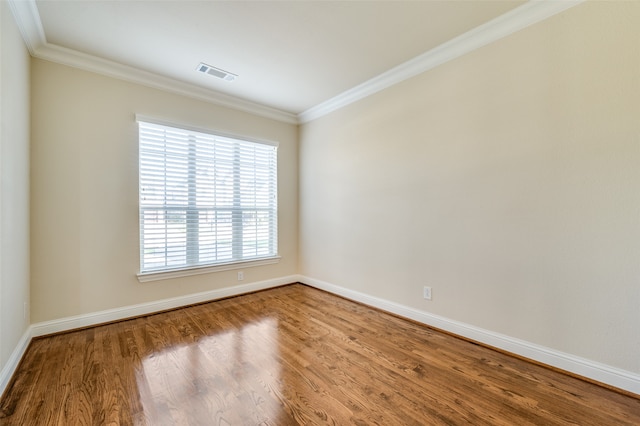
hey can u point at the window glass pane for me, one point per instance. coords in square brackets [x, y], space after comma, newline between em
[204, 199]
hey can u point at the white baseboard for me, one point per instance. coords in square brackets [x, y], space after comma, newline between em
[101, 317]
[110, 315]
[12, 364]
[602, 373]
[608, 375]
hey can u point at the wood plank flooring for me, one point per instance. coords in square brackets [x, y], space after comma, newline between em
[291, 356]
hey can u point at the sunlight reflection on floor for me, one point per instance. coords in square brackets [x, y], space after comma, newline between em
[215, 377]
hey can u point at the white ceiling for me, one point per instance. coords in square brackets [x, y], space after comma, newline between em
[291, 56]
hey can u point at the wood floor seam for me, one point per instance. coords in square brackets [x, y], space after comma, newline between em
[291, 355]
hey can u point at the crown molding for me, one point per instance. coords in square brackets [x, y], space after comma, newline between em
[30, 25]
[28, 21]
[73, 58]
[500, 27]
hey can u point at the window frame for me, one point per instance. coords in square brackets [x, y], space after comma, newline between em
[197, 269]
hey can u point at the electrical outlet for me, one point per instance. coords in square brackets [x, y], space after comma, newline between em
[240, 276]
[427, 293]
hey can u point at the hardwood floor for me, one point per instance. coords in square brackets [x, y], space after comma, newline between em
[286, 356]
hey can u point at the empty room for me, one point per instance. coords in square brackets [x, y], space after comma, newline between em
[319, 212]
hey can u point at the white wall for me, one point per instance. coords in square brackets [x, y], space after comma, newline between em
[84, 222]
[507, 179]
[14, 185]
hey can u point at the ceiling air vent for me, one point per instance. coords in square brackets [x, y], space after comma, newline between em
[216, 72]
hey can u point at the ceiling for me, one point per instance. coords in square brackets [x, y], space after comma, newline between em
[290, 56]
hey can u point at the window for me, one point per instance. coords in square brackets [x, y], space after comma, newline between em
[205, 199]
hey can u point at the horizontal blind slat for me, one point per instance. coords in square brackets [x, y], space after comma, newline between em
[204, 199]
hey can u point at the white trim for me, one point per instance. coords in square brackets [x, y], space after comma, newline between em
[83, 61]
[110, 315]
[611, 376]
[28, 20]
[27, 17]
[599, 372]
[117, 314]
[14, 360]
[212, 132]
[177, 273]
[500, 27]
[11, 364]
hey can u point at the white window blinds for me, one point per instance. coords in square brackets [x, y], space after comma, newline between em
[204, 199]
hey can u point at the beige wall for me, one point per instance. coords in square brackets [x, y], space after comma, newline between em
[84, 218]
[508, 180]
[14, 184]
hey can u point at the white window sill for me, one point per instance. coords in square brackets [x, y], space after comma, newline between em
[177, 273]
